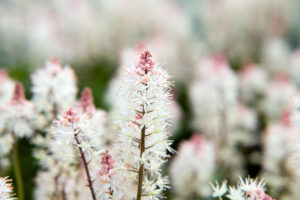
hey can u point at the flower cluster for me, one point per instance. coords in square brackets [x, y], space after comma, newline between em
[248, 189]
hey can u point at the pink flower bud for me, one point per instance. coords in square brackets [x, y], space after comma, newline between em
[86, 102]
[18, 96]
[146, 62]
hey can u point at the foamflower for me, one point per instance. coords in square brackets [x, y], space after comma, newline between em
[143, 116]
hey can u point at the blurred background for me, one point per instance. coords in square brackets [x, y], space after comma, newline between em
[236, 67]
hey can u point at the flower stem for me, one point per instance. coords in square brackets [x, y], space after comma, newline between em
[142, 149]
[17, 172]
[141, 169]
[86, 167]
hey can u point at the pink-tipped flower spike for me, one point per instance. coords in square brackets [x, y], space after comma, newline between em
[73, 133]
[54, 89]
[143, 119]
[6, 189]
[18, 114]
[106, 174]
[69, 124]
[19, 95]
[97, 117]
[188, 171]
[86, 102]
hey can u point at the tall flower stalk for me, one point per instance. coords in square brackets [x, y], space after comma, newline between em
[17, 125]
[74, 130]
[144, 119]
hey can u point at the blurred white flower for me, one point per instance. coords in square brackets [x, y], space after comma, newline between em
[295, 117]
[18, 114]
[243, 125]
[261, 19]
[54, 89]
[213, 94]
[193, 167]
[276, 56]
[278, 97]
[7, 87]
[279, 144]
[253, 81]
[294, 68]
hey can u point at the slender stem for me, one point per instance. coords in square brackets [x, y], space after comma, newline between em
[17, 171]
[141, 169]
[142, 149]
[86, 168]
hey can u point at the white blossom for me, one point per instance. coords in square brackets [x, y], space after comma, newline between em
[235, 194]
[219, 191]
